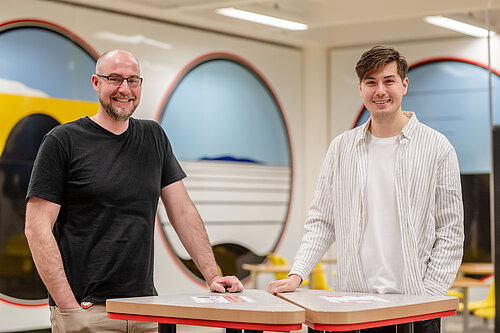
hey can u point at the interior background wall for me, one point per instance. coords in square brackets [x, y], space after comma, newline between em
[168, 50]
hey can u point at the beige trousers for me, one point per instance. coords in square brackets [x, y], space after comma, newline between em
[93, 320]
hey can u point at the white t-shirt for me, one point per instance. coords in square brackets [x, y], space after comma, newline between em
[381, 248]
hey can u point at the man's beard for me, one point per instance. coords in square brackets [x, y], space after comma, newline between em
[115, 114]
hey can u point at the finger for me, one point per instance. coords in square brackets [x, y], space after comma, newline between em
[217, 287]
[239, 287]
[271, 288]
[280, 289]
[235, 285]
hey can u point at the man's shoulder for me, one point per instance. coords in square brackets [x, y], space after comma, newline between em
[350, 136]
[148, 126]
[145, 123]
[345, 142]
[431, 141]
[69, 128]
[426, 131]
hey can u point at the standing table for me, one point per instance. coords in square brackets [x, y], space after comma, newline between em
[249, 310]
[464, 283]
[342, 311]
[477, 268]
[256, 269]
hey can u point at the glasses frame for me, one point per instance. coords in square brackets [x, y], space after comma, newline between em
[123, 79]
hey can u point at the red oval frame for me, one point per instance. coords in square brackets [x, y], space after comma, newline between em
[178, 78]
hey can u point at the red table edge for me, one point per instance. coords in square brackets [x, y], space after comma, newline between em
[387, 322]
[207, 323]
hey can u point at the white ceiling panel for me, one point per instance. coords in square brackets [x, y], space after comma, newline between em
[332, 23]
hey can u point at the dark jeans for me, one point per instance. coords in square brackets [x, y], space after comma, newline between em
[424, 326]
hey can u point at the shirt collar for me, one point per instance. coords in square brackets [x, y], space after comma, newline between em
[406, 132]
[409, 129]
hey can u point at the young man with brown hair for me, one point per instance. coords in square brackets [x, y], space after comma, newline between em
[389, 193]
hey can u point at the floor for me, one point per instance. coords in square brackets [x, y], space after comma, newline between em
[449, 325]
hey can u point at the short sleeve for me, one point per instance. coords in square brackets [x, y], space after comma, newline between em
[49, 171]
[171, 169]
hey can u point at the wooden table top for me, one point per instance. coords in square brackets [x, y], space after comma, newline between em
[263, 308]
[329, 260]
[322, 311]
[463, 281]
[267, 268]
[479, 268]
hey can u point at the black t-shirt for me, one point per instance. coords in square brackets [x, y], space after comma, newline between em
[108, 187]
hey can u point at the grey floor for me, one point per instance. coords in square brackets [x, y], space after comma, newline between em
[449, 325]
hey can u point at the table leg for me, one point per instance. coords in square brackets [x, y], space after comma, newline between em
[404, 328]
[166, 328]
[465, 312]
[253, 276]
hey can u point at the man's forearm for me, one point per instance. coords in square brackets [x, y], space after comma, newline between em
[192, 233]
[48, 261]
[45, 252]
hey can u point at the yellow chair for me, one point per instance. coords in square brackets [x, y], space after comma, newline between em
[318, 278]
[488, 302]
[455, 293]
[278, 260]
[485, 313]
[458, 294]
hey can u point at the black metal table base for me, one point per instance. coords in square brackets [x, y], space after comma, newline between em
[171, 328]
[400, 328]
[166, 328]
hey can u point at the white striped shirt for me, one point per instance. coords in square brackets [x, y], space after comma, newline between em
[429, 200]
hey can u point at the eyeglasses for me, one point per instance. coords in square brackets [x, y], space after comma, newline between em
[117, 80]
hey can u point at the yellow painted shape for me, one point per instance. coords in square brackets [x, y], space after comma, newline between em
[16, 107]
[488, 302]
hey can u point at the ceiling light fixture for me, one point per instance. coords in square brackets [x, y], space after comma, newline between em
[262, 19]
[455, 25]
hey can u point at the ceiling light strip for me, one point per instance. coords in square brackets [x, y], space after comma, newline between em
[458, 26]
[261, 19]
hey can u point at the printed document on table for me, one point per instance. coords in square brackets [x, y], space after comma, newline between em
[222, 299]
[353, 299]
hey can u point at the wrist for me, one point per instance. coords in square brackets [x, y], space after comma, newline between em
[213, 278]
[68, 305]
[296, 278]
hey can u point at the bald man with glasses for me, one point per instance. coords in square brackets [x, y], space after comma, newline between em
[91, 207]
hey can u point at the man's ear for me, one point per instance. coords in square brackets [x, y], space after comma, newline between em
[405, 85]
[95, 82]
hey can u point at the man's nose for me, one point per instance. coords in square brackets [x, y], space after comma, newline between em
[380, 88]
[124, 86]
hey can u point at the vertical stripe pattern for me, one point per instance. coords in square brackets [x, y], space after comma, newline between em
[429, 202]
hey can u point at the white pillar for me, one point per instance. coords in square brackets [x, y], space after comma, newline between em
[315, 120]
